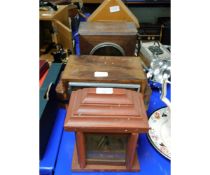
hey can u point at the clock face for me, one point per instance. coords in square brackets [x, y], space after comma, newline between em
[107, 49]
[106, 147]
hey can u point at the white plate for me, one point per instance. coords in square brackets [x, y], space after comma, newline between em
[160, 131]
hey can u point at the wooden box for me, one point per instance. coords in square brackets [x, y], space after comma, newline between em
[107, 122]
[120, 70]
[107, 38]
[55, 28]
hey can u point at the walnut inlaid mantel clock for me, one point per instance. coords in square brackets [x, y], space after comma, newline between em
[106, 122]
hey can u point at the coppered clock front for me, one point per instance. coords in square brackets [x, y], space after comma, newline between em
[106, 122]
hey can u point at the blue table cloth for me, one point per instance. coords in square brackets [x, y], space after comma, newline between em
[47, 164]
[151, 161]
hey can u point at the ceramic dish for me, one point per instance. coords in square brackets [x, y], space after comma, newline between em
[159, 134]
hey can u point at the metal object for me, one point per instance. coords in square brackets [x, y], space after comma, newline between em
[104, 85]
[105, 45]
[160, 70]
[48, 4]
[163, 95]
[154, 51]
[160, 121]
[47, 96]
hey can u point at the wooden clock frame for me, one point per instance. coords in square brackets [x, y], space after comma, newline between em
[122, 112]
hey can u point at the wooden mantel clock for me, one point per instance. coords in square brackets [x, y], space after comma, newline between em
[106, 122]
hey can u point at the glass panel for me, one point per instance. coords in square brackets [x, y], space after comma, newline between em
[106, 148]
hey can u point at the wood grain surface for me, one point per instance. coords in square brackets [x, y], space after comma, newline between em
[106, 116]
[64, 35]
[103, 13]
[61, 15]
[90, 112]
[127, 42]
[120, 69]
[107, 28]
[125, 70]
[120, 33]
[80, 142]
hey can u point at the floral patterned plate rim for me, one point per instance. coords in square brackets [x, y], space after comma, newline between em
[156, 119]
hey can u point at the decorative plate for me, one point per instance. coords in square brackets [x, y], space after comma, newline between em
[160, 131]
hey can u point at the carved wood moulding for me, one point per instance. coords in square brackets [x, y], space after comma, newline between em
[107, 122]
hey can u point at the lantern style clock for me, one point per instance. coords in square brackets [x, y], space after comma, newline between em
[107, 123]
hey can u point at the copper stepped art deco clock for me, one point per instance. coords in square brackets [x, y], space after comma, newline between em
[107, 123]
